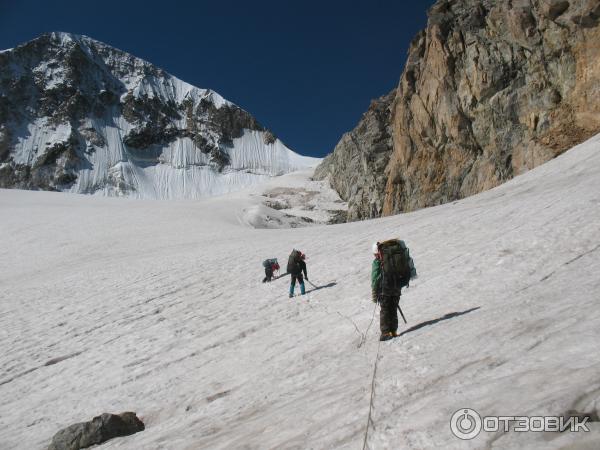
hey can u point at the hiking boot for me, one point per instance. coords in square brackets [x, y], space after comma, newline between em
[387, 336]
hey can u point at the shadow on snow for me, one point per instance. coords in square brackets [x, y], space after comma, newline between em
[316, 288]
[440, 319]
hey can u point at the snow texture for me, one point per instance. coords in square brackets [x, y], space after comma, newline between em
[183, 171]
[158, 307]
[291, 201]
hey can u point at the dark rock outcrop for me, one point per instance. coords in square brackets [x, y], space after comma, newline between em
[490, 89]
[98, 430]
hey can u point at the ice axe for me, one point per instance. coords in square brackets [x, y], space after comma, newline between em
[402, 314]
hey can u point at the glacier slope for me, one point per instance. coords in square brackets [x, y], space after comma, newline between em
[157, 307]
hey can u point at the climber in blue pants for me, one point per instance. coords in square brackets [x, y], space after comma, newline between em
[295, 267]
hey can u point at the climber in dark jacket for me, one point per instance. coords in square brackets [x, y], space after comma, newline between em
[271, 266]
[387, 296]
[295, 267]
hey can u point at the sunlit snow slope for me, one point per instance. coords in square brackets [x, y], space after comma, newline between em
[158, 307]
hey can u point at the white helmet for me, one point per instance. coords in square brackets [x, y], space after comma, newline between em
[376, 248]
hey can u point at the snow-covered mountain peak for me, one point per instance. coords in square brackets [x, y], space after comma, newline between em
[139, 76]
[64, 37]
[79, 115]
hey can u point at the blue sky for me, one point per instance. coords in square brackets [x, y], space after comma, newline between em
[305, 69]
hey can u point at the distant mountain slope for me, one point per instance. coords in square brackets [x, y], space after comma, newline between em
[490, 89]
[78, 115]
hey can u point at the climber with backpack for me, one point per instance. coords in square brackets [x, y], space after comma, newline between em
[295, 267]
[391, 270]
[271, 266]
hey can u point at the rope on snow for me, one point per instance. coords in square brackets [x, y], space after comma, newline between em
[364, 335]
[369, 419]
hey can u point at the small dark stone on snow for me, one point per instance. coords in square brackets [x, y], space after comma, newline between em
[98, 430]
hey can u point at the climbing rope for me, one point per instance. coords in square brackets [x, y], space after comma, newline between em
[363, 338]
[327, 310]
[369, 419]
[373, 377]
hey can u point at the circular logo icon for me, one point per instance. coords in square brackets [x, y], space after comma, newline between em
[465, 423]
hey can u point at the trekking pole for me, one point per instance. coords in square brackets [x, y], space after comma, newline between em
[311, 283]
[403, 318]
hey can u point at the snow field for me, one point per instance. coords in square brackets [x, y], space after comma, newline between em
[158, 307]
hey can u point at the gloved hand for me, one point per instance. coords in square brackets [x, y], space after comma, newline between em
[374, 297]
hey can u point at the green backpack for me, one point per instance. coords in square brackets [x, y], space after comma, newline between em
[398, 267]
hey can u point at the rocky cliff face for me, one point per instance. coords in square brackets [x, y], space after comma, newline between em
[356, 166]
[77, 115]
[490, 89]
